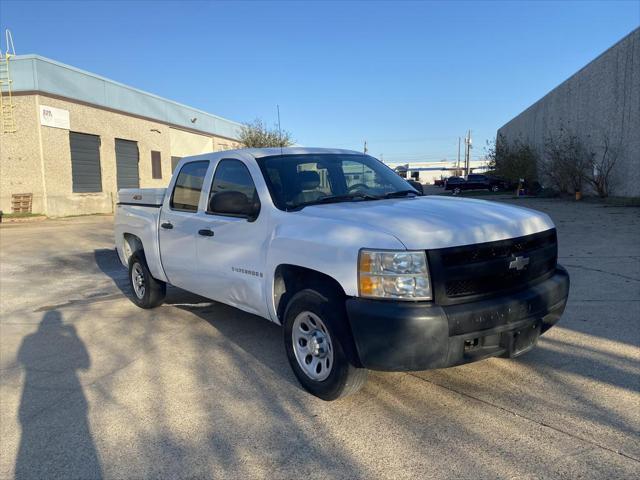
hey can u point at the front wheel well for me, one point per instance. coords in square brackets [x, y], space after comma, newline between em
[290, 279]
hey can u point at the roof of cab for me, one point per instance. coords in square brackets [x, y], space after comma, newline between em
[269, 152]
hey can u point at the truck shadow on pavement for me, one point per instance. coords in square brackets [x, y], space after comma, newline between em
[57, 443]
[243, 329]
[558, 365]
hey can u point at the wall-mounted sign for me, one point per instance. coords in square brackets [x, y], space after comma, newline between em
[54, 117]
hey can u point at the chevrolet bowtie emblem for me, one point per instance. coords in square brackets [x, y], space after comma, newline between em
[519, 263]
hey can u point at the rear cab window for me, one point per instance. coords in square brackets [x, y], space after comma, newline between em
[188, 187]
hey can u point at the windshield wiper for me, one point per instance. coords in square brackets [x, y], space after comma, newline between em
[348, 196]
[399, 193]
[338, 198]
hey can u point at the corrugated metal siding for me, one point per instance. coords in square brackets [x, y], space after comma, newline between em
[127, 164]
[85, 162]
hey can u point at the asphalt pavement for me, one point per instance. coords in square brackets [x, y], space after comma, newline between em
[93, 387]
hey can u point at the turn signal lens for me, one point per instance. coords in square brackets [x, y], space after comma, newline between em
[401, 275]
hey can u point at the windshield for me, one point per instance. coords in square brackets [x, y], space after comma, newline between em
[309, 179]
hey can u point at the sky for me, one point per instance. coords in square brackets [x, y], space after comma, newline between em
[408, 77]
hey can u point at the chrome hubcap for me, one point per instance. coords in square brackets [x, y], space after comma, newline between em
[137, 280]
[312, 346]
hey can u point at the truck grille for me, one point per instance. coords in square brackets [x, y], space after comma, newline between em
[474, 272]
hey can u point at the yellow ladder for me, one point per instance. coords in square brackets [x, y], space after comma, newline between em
[6, 97]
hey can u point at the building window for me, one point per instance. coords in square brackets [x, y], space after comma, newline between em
[174, 163]
[85, 162]
[156, 165]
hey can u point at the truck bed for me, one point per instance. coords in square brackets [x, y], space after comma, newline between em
[144, 197]
[136, 223]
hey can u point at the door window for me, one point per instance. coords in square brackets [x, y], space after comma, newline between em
[232, 189]
[186, 192]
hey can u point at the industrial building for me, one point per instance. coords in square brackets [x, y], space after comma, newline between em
[70, 139]
[602, 100]
[428, 172]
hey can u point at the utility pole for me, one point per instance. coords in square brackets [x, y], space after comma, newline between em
[458, 163]
[365, 147]
[467, 152]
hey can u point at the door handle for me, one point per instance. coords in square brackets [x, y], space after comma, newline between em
[167, 225]
[205, 232]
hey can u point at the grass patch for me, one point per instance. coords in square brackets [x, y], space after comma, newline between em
[21, 215]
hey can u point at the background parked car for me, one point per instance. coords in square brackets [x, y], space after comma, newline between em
[416, 185]
[476, 181]
[454, 183]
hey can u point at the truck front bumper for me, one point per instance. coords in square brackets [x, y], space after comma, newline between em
[405, 336]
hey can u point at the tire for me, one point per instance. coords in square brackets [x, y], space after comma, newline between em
[457, 191]
[147, 291]
[494, 188]
[321, 367]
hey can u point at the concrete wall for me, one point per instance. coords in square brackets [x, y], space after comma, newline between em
[603, 98]
[187, 143]
[45, 171]
[20, 159]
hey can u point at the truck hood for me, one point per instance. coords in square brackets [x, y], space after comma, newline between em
[436, 222]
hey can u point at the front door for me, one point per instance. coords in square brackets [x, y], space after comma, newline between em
[179, 226]
[231, 247]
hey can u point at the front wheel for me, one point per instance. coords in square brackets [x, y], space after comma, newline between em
[147, 291]
[314, 342]
[457, 191]
[495, 188]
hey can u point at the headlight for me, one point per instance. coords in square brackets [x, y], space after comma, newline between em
[401, 275]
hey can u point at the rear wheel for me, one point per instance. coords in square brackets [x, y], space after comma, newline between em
[457, 190]
[495, 188]
[147, 291]
[315, 346]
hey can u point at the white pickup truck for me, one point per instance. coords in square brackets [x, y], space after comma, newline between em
[360, 271]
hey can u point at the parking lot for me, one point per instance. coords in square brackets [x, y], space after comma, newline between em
[93, 387]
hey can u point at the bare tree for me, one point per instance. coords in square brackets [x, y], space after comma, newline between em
[257, 134]
[566, 161]
[602, 165]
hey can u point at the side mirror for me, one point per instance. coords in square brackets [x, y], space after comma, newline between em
[235, 204]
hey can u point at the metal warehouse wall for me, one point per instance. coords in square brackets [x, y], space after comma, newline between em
[603, 98]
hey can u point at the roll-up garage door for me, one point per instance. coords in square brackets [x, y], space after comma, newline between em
[85, 162]
[127, 164]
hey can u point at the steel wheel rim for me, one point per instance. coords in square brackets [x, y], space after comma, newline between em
[312, 346]
[137, 280]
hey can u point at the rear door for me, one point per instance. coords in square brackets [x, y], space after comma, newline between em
[127, 159]
[179, 224]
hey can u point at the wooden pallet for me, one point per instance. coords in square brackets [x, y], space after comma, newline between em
[21, 202]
